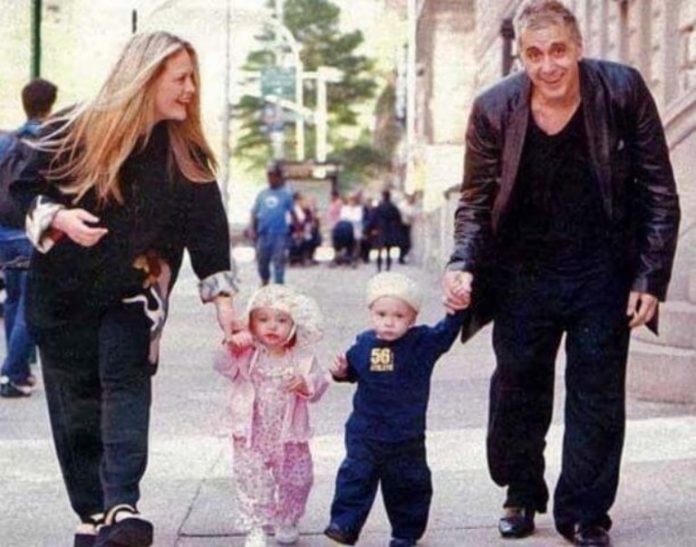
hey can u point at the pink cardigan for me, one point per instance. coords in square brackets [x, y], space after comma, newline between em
[237, 368]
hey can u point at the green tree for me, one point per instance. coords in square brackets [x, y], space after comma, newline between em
[315, 26]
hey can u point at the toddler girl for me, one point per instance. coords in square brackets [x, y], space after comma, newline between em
[274, 375]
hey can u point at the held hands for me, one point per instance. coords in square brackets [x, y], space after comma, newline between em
[339, 368]
[641, 308]
[457, 290]
[240, 341]
[227, 316]
[74, 223]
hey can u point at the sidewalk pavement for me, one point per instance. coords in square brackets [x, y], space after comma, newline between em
[188, 491]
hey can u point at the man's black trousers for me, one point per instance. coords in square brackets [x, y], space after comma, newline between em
[402, 471]
[98, 379]
[534, 310]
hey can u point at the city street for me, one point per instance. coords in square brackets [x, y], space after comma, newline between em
[188, 493]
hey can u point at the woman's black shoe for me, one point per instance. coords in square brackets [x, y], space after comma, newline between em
[129, 530]
[518, 522]
[86, 533]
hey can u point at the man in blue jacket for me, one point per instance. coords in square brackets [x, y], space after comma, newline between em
[38, 97]
[568, 184]
[271, 218]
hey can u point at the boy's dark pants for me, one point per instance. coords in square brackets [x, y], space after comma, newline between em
[534, 312]
[401, 469]
[97, 381]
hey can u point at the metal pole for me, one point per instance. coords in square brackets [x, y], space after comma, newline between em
[321, 121]
[35, 38]
[507, 32]
[278, 137]
[299, 120]
[225, 155]
[134, 21]
[411, 92]
[299, 90]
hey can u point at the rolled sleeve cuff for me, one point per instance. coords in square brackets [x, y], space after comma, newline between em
[38, 223]
[217, 284]
[457, 266]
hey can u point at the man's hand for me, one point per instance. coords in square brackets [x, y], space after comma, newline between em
[641, 308]
[339, 368]
[457, 290]
[73, 223]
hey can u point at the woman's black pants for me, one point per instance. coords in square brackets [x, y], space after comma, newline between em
[97, 382]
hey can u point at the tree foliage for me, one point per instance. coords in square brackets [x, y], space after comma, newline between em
[315, 26]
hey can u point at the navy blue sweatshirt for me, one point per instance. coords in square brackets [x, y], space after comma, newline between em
[393, 379]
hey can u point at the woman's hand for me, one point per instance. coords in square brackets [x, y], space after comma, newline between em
[73, 223]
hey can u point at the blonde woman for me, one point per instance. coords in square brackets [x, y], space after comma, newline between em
[117, 189]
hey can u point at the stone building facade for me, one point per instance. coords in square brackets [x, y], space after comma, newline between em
[460, 52]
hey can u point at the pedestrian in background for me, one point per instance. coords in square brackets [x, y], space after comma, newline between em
[353, 211]
[386, 227]
[118, 188]
[274, 375]
[333, 211]
[272, 217]
[385, 434]
[567, 225]
[38, 97]
[409, 213]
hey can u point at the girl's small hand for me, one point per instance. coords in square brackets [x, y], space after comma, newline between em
[339, 369]
[297, 384]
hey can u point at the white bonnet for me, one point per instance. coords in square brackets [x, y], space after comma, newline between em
[303, 310]
[396, 285]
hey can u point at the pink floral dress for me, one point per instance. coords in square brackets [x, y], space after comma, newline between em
[273, 478]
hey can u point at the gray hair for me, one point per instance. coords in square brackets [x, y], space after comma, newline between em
[538, 14]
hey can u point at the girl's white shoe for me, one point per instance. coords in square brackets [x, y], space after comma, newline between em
[255, 538]
[287, 535]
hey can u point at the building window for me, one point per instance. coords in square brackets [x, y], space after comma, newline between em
[687, 64]
[624, 31]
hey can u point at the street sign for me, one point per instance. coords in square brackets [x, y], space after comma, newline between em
[272, 117]
[278, 81]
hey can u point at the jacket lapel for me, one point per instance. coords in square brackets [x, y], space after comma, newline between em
[512, 149]
[595, 110]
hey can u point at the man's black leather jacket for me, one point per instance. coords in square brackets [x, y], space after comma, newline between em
[630, 157]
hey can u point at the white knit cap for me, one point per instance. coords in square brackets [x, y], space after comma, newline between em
[396, 285]
[301, 308]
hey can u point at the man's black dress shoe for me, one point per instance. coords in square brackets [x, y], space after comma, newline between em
[592, 536]
[518, 522]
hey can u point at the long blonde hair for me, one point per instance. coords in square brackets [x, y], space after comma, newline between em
[97, 137]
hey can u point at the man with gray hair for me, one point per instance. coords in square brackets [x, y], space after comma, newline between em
[567, 224]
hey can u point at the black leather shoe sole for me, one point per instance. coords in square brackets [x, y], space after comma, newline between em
[517, 526]
[339, 536]
[593, 537]
[132, 532]
[84, 540]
